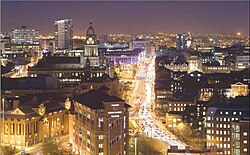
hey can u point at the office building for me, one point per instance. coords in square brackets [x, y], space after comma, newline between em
[99, 124]
[63, 34]
[181, 42]
[219, 118]
[25, 36]
[240, 136]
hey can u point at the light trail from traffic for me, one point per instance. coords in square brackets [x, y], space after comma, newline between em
[148, 125]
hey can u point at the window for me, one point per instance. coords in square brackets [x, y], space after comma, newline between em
[19, 127]
[245, 141]
[100, 137]
[6, 128]
[35, 126]
[100, 145]
[245, 149]
[13, 128]
[244, 133]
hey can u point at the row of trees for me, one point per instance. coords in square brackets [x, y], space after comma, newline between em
[8, 150]
[51, 147]
[190, 136]
[147, 146]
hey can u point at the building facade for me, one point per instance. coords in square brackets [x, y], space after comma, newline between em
[100, 124]
[25, 36]
[240, 137]
[91, 48]
[63, 34]
[219, 118]
[31, 123]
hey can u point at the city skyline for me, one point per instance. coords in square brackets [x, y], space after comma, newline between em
[130, 17]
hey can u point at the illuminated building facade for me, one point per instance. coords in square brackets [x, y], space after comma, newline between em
[25, 36]
[91, 48]
[123, 56]
[66, 69]
[12, 87]
[95, 83]
[178, 105]
[240, 136]
[242, 61]
[181, 42]
[64, 34]
[173, 119]
[31, 122]
[219, 118]
[206, 93]
[140, 44]
[209, 68]
[239, 89]
[194, 61]
[99, 124]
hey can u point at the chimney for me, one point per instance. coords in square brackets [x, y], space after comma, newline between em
[104, 89]
[173, 148]
[187, 149]
[16, 102]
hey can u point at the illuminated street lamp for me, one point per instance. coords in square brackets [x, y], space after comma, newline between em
[2, 115]
[135, 137]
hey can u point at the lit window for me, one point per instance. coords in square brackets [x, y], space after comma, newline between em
[245, 149]
[100, 145]
[245, 141]
[100, 137]
[245, 134]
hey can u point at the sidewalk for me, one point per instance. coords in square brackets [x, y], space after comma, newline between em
[37, 148]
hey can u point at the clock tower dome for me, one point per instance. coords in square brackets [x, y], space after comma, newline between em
[90, 48]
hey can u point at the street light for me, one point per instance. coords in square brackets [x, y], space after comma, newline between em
[1, 113]
[135, 137]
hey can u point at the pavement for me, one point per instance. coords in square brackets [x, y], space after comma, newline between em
[37, 148]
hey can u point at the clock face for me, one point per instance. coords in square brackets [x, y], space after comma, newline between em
[90, 40]
[42, 109]
[67, 104]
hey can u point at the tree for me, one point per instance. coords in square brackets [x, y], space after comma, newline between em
[51, 147]
[8, 150]
[148, 146]
[190, 136]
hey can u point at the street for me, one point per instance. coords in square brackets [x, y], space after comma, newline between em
[147, 122]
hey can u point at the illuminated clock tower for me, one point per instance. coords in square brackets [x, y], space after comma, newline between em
[91, 49]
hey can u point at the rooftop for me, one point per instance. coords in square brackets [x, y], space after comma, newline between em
[94, 99]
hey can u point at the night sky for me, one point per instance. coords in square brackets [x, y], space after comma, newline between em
[129, 17]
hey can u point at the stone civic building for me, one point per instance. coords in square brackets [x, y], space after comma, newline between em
[34, 119]
[68, 69]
